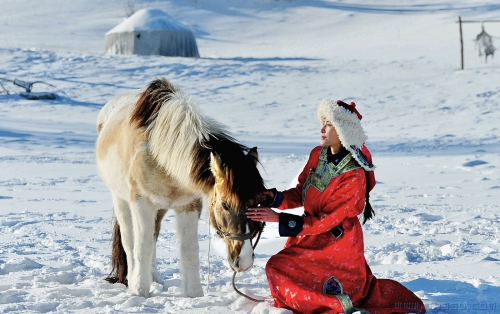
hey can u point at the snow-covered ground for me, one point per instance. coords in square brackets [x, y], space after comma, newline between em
[433, 130]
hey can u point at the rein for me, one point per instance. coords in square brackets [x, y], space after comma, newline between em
[234, 274]
[240, 237]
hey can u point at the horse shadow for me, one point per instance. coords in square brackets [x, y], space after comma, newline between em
[457, 297]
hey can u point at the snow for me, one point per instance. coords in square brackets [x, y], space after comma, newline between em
[148, 19]
[433, 132]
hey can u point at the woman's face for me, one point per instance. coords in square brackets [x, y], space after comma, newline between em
[329, 136]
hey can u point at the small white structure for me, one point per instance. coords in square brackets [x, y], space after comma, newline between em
[151, 32]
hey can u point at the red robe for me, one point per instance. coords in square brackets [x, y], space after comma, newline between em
[316, 271]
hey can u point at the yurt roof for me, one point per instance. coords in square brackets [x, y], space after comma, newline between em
[148, 19]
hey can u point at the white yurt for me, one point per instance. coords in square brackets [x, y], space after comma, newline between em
[151, 32]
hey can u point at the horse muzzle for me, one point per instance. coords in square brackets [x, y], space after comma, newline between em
[245, 259]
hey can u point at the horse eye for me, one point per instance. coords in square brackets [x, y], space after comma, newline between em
[225, 206]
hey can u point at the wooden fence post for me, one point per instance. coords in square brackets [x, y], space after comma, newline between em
[461, 43]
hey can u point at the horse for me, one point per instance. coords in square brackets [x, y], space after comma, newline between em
[157, 151]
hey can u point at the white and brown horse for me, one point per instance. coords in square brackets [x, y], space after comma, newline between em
[157, 151]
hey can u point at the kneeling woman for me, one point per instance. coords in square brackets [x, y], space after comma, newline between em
[322, 268]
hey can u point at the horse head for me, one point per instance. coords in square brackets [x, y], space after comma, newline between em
[237, 185]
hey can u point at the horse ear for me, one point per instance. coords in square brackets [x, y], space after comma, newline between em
[254, 155]
[216, 165]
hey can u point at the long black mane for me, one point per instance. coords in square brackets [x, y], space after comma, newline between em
[240, 171]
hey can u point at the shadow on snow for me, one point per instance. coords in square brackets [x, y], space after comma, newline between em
[457, 297]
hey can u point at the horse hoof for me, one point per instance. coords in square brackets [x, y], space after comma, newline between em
[195, 293]
[139, 292]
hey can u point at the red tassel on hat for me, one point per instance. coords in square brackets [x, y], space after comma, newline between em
[351, 108]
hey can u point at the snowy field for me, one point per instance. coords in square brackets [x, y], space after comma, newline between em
[433, 130]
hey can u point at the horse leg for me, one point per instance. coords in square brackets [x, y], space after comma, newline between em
[143, 219]
[159, 216]
[121, 255]
[187, 229]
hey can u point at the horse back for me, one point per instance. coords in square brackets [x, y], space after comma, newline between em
[118, 108]
[125, 162]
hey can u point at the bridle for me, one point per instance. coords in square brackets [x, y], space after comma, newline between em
[240, 236]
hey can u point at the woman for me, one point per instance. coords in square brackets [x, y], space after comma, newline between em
[322, 268]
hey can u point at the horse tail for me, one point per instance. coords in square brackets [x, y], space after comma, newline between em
[118, 259]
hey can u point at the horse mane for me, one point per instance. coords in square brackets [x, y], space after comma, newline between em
[241, 176]
[181, 139]
[149, 102]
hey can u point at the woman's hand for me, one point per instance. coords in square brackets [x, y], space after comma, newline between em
[263, 214]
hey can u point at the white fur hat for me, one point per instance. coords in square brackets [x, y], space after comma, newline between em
[347, 122]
